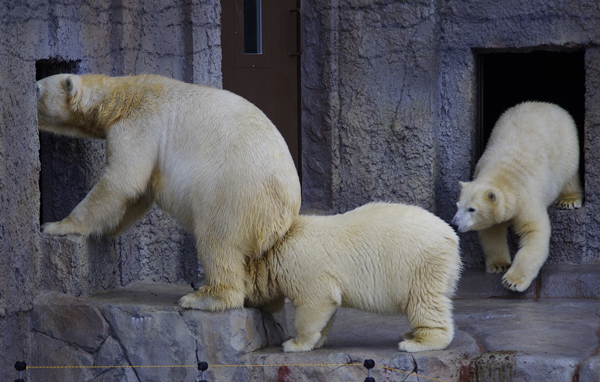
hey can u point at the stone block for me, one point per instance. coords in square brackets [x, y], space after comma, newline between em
[53, 352]
[554, 280]
[510, 366]
[120, 375]
[77, 265]
[144, 330]
[570, 280]
[57, 315]
[476, 283]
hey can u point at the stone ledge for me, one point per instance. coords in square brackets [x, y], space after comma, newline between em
[554, 281]
[141, 325]
[77, 265]
[496, 339]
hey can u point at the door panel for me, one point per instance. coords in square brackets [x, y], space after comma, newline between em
[259, 41]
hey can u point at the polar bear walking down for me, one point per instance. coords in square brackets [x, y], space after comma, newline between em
[206, 156]
[531, 161]
[382, 258]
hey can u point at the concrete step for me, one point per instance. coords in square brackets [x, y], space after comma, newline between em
[497, 339]
[554, 280]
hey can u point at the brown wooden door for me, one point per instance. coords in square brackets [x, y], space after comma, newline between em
[261, 60]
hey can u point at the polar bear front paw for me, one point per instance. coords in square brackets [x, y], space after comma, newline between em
[412, 346]
[568, 203]
[291, 346]
[62, 227]
[497, 267]
[426, 339]
[516, 281]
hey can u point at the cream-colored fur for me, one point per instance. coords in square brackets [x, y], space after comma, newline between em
[531, 161]
[206, 156]
[383, 258]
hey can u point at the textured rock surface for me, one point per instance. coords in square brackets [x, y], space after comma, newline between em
[368, 122]
[141, 326]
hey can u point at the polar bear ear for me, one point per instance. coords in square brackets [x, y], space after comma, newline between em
[462, 184]
[71, 85]
[491, 195]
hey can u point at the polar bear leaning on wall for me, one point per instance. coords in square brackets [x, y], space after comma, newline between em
[206, 156]
[531, 161]
[382, 258]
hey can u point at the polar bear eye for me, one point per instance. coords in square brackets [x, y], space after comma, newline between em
[471, 209]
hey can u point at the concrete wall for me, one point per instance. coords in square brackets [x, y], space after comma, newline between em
[389, 102]
[179, 39]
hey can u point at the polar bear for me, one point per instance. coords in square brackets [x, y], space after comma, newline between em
[382, 258]
[206, 156]
[531, 161]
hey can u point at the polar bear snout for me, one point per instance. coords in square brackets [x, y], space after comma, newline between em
[463, 220]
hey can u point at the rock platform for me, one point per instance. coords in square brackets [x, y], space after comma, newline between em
[550, 333]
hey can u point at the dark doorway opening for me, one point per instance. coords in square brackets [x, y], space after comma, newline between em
[506, 79]
[60, 158]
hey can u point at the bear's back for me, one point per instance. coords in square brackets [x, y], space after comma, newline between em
[223, 165]
[537, 142]
[377, 253]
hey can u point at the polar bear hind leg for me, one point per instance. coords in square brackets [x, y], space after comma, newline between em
[224, 287]
[325, 332]
[432, 327]
[311, 321]
[495, 248]
[571, 196]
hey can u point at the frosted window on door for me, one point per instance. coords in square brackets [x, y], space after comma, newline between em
[252, 27]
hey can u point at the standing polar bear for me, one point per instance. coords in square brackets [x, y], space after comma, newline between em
[531, 161]
[382, 258]
[206, 156]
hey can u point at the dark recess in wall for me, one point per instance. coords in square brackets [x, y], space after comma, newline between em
[58, 178]
[506, 79]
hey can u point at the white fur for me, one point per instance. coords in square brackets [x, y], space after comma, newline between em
[206, 156]
[382, 258]
[531, 159]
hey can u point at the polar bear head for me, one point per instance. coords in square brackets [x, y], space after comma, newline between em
[89, 105]
[480, 206]
[58, 99]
